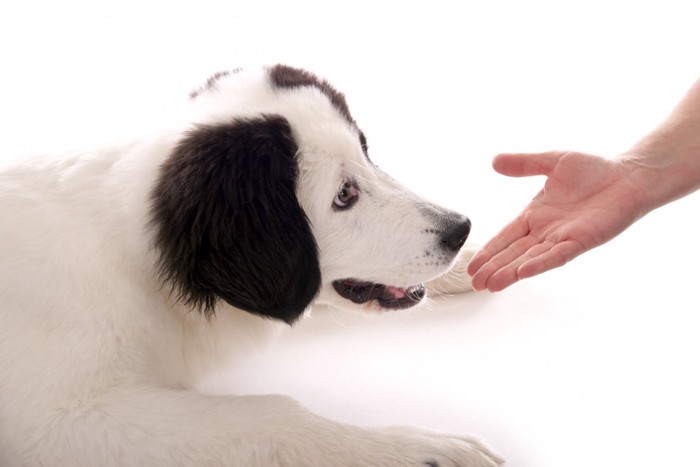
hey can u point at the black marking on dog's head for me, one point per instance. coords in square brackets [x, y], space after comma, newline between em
[211, 82]
[284, 76]
[228, 224]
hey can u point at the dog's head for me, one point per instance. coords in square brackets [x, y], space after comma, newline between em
[274, 201]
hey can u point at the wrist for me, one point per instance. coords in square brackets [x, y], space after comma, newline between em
[666, 163]
[662, 172]
[642, 181]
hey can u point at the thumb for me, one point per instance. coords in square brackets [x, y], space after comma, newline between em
[525, 165]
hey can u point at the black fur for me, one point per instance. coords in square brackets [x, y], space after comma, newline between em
[287, 77]
[284, 76]
[228, 224]
[211, 82]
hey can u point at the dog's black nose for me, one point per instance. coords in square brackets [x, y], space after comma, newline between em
[456, 234]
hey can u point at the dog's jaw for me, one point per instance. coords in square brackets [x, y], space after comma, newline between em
[385, 296]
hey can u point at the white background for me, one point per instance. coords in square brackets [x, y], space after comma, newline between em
[594, 364]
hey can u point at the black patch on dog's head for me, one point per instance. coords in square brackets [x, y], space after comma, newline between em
[211, 82]
[228, 224]
[284, 76]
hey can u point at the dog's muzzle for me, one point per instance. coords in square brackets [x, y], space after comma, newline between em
[450, 238]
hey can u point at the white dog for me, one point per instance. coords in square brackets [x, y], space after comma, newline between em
[128, 274]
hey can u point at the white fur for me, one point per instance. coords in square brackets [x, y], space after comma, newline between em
[99, 363]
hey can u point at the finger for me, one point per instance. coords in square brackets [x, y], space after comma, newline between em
[538, 259]
[525, 165]
[555, 257]
[478, 260]
[510, 233]
[507, 256]
[510, 273]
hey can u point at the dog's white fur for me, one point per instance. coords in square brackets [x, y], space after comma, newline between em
[100, 362]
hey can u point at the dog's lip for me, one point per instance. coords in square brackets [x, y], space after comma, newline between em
[387, 296]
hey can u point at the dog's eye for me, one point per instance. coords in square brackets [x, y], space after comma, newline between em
[346, 197]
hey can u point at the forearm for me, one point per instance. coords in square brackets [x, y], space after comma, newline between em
[666, 163]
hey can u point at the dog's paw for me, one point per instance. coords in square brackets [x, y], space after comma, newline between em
[421, 448]
[456, 280]
[318, 441]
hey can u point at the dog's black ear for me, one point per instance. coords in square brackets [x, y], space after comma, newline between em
[228, 223]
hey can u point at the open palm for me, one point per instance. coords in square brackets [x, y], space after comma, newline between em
[586, 201]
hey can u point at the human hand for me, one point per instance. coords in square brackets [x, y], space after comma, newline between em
[586, 201]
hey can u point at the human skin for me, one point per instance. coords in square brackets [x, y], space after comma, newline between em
[588, 200]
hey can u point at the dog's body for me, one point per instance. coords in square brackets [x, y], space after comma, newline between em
[129, 274]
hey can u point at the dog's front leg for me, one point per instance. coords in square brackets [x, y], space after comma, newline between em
[181, 428]
[456, 280]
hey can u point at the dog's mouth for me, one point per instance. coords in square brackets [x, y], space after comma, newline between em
[389, 297]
